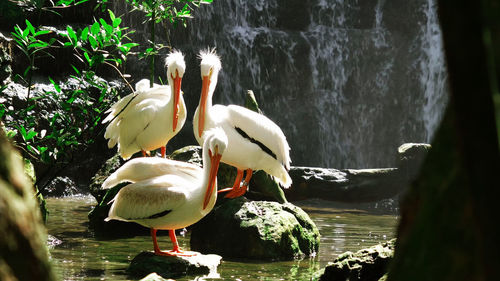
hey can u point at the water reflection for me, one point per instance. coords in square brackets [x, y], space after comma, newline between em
[81, 256]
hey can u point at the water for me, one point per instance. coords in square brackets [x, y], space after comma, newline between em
[83, 257]
[353, 79]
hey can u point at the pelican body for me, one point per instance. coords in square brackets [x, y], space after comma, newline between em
[167, 194]
[254, 141]
[148, 118]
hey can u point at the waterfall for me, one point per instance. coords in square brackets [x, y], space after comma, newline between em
[347, 81]
[433, 72]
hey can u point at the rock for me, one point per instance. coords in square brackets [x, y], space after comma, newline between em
[190, 154]
[174, 267]
[264, 187]
[23, 250]
[111, 165]
[358, 186]
[351, 186]
[239, 228]
[411, 157]
[365, 265]
[5, 59]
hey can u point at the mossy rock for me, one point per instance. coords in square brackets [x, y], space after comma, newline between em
[111, 165]
[262, 230]
[173, 267]
[370, 264]
[29, 170]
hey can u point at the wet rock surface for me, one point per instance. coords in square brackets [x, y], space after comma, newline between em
[365, 265]
[239, 228]
[358, 185]
[352, 186]
[173, 267]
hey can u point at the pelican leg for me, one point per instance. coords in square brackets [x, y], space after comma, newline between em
[176, 251]
[237, 182]
[163, 151]
[155, 242]
[244, 187]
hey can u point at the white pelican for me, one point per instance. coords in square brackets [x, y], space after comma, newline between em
[255, 142]
[168, 201]
[150, 117]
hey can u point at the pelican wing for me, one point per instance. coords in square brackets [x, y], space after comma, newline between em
[148, 199]
[261, 130]
[129, 105]
[145, 168]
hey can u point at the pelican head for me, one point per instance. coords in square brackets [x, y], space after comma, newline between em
[210, 66]
[175, 71]
[216, 143]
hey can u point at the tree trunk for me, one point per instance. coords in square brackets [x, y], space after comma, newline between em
[23, 248]
[447, 229]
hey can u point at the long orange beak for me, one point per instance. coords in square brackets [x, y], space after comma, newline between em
[177, 95]
[214, 167]
[203, 104]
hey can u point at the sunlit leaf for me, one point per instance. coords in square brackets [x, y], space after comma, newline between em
[42, 32]
[94, 29]
[86, 55]
[85, 34]
[93, 42]
[30, 27]
[72, 35]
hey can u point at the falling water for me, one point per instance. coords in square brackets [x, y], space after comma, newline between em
[347, 81]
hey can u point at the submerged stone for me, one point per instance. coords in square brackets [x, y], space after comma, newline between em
[261, 230]
[174, 267]
[365, 265]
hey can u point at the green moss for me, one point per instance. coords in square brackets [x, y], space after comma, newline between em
[264, 230]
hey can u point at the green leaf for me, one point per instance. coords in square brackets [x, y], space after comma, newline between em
[25, 33]
[108, 28]
[30, 27]
[72, 35]
[56, 86]
[111, 15]
[31, 134]
[95, 28]
[93, 42]
[85, 34]
[42, 149]
[22, 130]
[130, 45]
[26, 71]
[86, 55]
[116, 22]
[38, 45]
[42, 32]
[76, 70]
